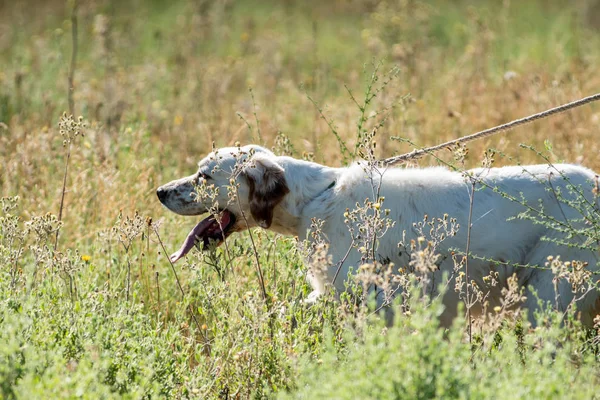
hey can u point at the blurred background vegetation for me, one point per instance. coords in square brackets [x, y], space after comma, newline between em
[166, 79]
[159, 81]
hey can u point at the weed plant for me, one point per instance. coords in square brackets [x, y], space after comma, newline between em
[90, 305]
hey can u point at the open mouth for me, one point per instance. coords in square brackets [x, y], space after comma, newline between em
[207, 230]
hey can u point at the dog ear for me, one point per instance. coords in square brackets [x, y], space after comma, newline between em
[268, 186]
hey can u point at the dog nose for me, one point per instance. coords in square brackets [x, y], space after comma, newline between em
[162, 194]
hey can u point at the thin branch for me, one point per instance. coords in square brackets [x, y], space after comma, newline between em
[341, 262]
[71, 87]
[70, 90]
[256, 117]
[178, 281]
[469, 226]
[62, 196]
[346, 154]
[261, 278]
[417, 153]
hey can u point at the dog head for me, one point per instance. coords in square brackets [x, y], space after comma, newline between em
[239, 186]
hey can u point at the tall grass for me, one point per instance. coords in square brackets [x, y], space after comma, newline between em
[160, 82]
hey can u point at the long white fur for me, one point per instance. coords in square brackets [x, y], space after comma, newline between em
[411, 193]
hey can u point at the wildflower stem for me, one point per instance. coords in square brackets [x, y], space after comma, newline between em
[469, 226]
[157, 294]
[261, 278]
[62, 196]
[258, 133]
[71, 76]
[178, 282]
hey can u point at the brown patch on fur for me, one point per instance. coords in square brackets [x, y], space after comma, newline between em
[595, 311]
[263, 200]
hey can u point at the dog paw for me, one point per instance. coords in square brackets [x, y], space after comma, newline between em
[312, 297]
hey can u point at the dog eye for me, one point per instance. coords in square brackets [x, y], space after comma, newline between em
[202, 175]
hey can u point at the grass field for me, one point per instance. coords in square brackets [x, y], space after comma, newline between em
[101, 313]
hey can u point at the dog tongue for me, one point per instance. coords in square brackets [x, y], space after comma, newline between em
[196, 232]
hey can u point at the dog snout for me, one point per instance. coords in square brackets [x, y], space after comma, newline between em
[162, 193]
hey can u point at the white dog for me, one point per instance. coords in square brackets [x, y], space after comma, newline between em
[284, 194]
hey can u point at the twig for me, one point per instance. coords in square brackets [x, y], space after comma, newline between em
[128, 279]
[417, 153]
[177, 279]
[346, 154]
[73, 57]
[157, 294]
[256, 117]
[469, 226]
[261, 279]
[341, 262]
[70, 90]
[62, 196]
[170, 262]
